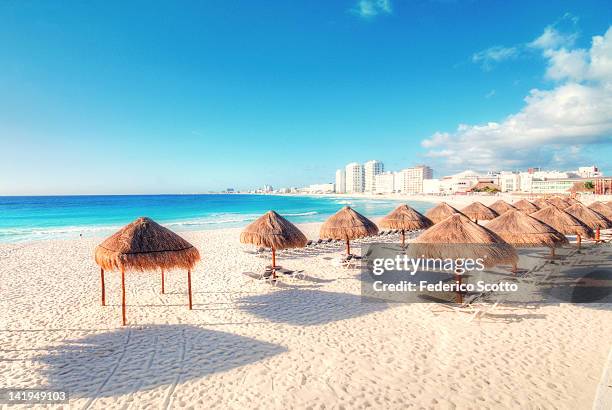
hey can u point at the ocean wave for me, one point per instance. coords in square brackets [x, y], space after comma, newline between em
[302, 213]
[211, 221]
[55, 231]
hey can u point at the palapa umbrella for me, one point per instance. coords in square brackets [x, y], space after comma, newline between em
[477, 211]
[525, 206]
[572, 201]
[521, 230]
[602, 208]
[407, 219]
[275, 232]
[442, 240]
[347, 224]
[440, 212]
[145, 245]
[457, 237]
[501, 206]
[540, 203]
[563, 222]
[559, 202]
[590, 218]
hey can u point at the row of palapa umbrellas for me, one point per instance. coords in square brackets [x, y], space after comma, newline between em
[544, 222]
[144, 245]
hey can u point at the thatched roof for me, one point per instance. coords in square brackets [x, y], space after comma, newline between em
[589, 217]
[347, 224]
[520, 229]
[602, 208]
[458, 237]
[501, 206]
[525, 206]
[145, 245]
[559, 202]
[562, 221]
[477, 210]
[440, 212]
[541, 203]
[273, 231]
[406, 218]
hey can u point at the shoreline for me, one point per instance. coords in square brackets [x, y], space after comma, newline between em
[182, 225]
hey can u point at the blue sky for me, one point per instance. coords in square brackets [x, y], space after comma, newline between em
[152, 97]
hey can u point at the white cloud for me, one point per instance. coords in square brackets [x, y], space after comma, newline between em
[372, 8]
[487, 58]
[553, 124]
[553, 38]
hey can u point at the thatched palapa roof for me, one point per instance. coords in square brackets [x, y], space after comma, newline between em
[602, 208]
[521, 230]
[405, 218]
[347, 224]
[525, 206]
[478, 211]
[589, 217]
[562, 221]
[458, 237]
[273, 231]
[559, 202]
[145, 245]
[541, 203]
[440, 212]
[501, 206]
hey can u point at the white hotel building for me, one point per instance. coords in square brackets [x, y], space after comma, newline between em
[341, 181]
[409, 180]
[371, 169]
[354, 177]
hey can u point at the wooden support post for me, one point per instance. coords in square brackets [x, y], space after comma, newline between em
[273, 263]
[189, 288]
[103, 287]
[348, 247]
[578, 240]
[459, 294]
[403, 238]
[163, 290]
[123, 295]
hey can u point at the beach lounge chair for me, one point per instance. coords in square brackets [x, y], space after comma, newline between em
[350, 261]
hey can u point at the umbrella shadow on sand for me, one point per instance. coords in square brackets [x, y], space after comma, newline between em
[129, 360]
[306, 307]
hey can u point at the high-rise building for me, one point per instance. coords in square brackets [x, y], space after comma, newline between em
[410, 180]
[354, 177]
[371, 169]
[340, 181]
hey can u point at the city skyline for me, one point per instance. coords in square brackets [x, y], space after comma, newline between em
[201, 97]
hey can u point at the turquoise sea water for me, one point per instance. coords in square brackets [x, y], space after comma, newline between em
[45, 217]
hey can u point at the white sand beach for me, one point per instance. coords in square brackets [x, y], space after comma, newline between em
[309, 343]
